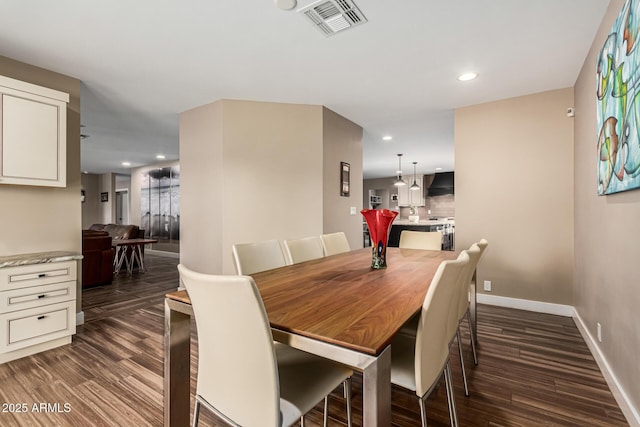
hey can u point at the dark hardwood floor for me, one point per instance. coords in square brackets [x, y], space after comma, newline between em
[534, 370]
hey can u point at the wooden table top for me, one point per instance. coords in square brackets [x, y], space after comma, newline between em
[125, 242]
[340, 300]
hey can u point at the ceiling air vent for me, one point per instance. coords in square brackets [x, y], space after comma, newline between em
[332, 16]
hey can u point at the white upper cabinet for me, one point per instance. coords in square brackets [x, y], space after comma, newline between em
[408, 197]
[33, 141]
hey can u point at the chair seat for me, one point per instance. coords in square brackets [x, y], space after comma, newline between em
[303, 375]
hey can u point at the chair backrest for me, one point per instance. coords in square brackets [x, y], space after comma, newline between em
[335, 243]
[236, 357]
[305, 249]
[482, 244]
[465, 279]
[431, 240]
[260, 256]
[438, 313]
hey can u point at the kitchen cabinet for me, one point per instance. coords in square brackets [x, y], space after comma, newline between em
[408, 197]
[37, 304]
[33, 141]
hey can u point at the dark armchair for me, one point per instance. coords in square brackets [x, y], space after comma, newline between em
[97, 264]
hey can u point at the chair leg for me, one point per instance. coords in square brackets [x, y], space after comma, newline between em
[423, 411]
[196, 413]
[451, 398]
[464, 373]
[347, 395]
[326, 411]
[473, 340]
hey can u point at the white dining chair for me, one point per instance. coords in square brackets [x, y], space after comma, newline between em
[243, 377]
[482, 244]
[335, 243]
[462, 308]
[431, 240]
[305, 249]
[418, 362]
[256, 257]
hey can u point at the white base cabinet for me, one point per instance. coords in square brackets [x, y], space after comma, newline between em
[37, 308]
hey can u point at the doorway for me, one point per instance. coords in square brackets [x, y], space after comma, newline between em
[122, 206]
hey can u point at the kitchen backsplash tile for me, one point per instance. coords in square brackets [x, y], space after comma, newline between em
[440, 206]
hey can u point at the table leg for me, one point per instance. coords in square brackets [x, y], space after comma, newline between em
[138, 255]
[121, 255]
[377, 391]
[131, 260]
[177, 356]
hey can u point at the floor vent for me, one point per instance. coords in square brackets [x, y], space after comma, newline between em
[333, 16]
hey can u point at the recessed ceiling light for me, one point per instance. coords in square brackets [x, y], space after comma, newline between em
[438, 169]
[286, 4]
[126, 164]
[467, 76]
[387, 138]
[160, 156]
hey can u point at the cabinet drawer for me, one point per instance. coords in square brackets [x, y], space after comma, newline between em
[33, 326]
[36, 296]
[37, 274]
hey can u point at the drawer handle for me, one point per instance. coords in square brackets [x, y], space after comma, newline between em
[41, 317]
[41, 296]
[42, 275]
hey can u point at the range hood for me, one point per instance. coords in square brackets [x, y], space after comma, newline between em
[442, 184]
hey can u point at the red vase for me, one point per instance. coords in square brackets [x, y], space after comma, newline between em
[379, 223]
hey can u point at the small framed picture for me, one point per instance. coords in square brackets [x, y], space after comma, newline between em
[344, 179]
[104, 197]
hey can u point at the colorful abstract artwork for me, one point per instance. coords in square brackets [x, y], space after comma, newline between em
[618, 104]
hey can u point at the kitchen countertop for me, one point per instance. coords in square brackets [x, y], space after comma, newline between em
[37, 258]
[425, 222]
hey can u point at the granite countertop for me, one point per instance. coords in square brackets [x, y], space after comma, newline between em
[38, 258]
[425, 222]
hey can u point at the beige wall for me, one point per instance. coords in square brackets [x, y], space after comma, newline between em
[107, 210]
[201, 188]
[37, 219]
[514, 187]
[253, 171]
[272, 161]
[91, 207]
[607, 228]
[342, 142]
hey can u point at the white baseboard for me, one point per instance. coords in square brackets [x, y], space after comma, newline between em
[524, 304]
[80, 318]
[631, 413]
[163, 253]
[626, 406]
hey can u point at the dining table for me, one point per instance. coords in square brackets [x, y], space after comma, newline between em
[129, 252]
[336, 307]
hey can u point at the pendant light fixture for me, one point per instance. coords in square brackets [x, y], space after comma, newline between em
[415, 185]
[399, 181]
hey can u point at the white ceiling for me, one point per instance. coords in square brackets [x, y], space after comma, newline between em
[143, 62]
